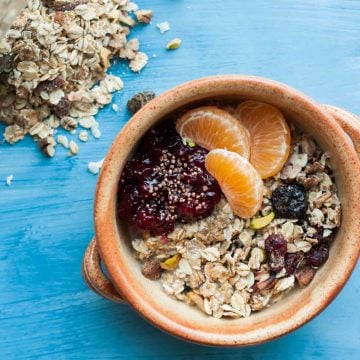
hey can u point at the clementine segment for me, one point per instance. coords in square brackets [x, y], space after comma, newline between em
[269, 136]
[238, 180]
[214, 128]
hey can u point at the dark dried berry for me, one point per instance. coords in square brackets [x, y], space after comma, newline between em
[152, 269]
[6, 63]
[62, 108]
[289, 201]
[276, 248]
[139, 100]
[51, 85]
[292, 261]
[319, 236]
[66, 5]
[317, 255]
[304, 275]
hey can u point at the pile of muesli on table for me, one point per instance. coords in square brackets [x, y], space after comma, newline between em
[229, 269]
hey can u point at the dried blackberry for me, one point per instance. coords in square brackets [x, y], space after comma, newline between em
[139, 100]
[289, 201]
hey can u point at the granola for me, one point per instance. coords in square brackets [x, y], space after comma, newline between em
[221, 264]
[50, 60]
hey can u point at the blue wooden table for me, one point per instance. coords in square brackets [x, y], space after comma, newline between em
[46, 311]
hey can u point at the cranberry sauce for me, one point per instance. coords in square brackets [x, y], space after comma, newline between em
[165, 181]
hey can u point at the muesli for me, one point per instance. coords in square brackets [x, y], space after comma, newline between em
[230, 255]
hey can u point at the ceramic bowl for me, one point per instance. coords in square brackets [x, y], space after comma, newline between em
[125, 283]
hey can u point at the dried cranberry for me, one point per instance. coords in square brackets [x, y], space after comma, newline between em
[289, 201]
[276, 248]
[165, 181]
[317, 255]
[292, 261]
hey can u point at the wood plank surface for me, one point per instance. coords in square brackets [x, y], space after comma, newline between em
[46, 310]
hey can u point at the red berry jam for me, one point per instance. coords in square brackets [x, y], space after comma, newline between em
[164, 182]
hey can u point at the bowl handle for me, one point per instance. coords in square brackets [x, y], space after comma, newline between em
[95, 277]
[348, 121]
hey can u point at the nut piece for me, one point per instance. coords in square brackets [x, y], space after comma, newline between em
[171, 263]
[152, 269]
[144, 16]
[173, 44]
[259, 223]
[304, 275]
[139, 100]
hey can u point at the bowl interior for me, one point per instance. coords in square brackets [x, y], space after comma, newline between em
[297, 307]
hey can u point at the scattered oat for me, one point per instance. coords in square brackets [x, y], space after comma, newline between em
[83, 136]
[9, 179]
[94, 167]
[163, 27]
[144, 16]
[95, 132]
[173, 44]
[87, 122]
[139, 61]
[115, 107]
[63, 140]
[74, 148]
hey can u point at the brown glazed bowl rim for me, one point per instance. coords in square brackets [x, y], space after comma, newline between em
[107, 230]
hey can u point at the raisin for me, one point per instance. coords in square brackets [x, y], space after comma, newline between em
[139, 100]
[292, 261]
[317, 255]
[289, 201]
[276, 248]
[62, 108]
[51, 85]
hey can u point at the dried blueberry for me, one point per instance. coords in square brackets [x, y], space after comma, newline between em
[317, 255]
[276, 248]
[289, 201]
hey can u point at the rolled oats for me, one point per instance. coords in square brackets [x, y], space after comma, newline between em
[51, 58]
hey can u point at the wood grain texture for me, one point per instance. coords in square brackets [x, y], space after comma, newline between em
[46, 310]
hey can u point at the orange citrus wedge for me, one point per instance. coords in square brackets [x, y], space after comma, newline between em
[269, 136]
[238, 180]
[214, 128]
